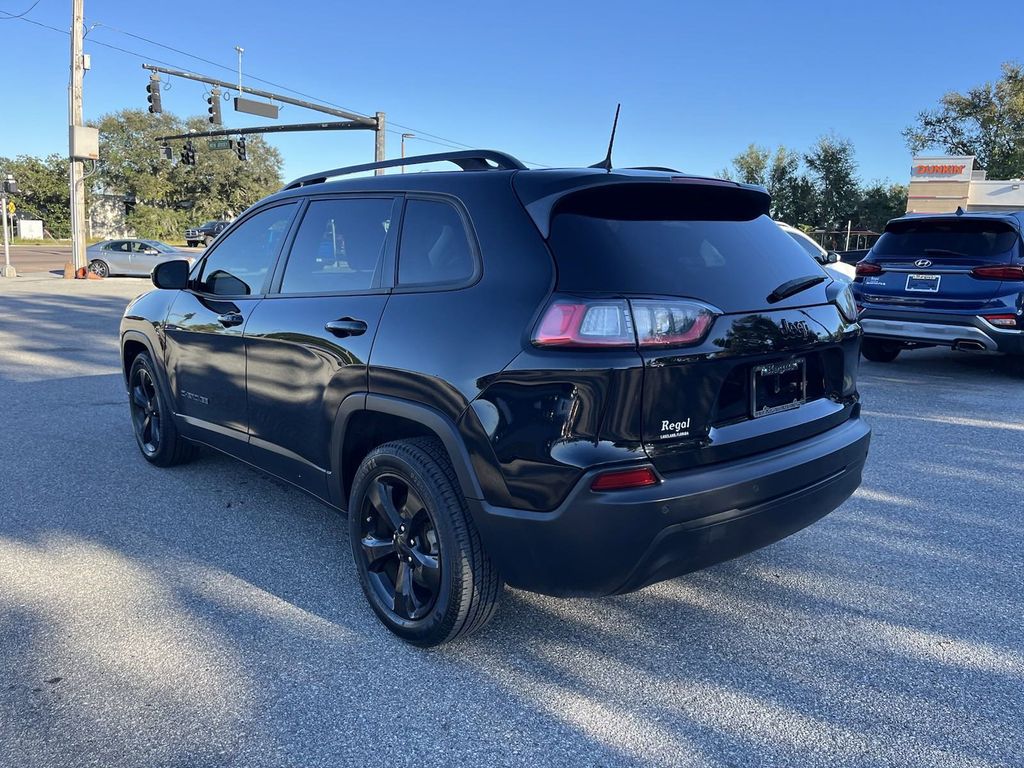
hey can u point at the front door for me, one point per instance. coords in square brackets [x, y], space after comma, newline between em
[205, 351]
[308, 342]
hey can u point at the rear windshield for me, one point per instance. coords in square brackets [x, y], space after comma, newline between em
[732, 265]
[973, 238]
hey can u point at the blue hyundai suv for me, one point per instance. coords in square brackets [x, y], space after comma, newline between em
[952, 280]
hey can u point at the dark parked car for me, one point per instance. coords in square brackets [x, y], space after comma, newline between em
[953, 280]
[205, 233]
[576, 381]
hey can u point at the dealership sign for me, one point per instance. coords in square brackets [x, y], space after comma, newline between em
[942, 168]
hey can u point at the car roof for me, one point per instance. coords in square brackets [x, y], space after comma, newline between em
[1014, 218]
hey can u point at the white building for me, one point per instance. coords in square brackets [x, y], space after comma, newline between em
[943, 184]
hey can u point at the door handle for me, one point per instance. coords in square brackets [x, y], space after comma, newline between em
[229, 319]
[346, 326]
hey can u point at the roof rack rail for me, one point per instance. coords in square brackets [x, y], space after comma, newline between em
[653, 168]
[467, 160]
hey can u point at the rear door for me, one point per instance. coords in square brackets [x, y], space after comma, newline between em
[767, 371]
[928, 262]
[308, 343]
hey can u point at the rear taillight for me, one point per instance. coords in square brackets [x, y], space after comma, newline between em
[1002, 321]
[621, 323]
[621, 479]
[574, 323]
[868, 268]
[999, 273]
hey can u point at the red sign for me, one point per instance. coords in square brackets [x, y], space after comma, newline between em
[938, 170]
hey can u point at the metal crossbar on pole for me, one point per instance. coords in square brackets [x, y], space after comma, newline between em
[297, 127]
[370, 122]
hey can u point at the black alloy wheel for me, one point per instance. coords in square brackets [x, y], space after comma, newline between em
[400, 548]
[146, 418]
[418, 556]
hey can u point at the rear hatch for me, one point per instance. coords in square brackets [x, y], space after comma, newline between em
[937, 262]
[732, 364]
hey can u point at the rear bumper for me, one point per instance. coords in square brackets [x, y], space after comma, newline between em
[607, 543]
[944, 330]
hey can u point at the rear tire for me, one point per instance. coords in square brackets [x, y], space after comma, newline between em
[879, 351]
[419, 557]
[152, 421]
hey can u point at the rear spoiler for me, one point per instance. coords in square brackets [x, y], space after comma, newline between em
[649, 197]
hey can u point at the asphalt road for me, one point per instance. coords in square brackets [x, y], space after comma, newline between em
[29, 259]
[209, 616]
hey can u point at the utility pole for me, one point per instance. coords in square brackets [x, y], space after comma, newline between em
[77, 168]
[378, 144]
[8, 186]
[404, 137]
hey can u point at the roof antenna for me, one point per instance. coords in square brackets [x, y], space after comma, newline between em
[607, 162]
[959, 210]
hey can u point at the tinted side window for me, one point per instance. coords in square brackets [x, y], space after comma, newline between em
[240, 262]
[339, 246]
[435, 247]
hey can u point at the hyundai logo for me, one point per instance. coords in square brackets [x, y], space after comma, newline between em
[922, 263]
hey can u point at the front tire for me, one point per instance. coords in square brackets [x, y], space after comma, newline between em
[152, 422]
[208, 241]
[99, 267]
[419, 557]
[879, 351]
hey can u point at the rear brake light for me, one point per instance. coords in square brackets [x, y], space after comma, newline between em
[868, 268]
[999, 273]
[620, 479]
[1002, 321]
[618, 323]
[586, 324]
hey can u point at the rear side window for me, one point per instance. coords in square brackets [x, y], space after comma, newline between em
[240, 261]
[966, 237]
[731, 264]
[339, 246]
[435, 248]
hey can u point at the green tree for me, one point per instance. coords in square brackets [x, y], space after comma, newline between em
[833, 172]
[167, 194]
[751, 166]
[42, 190]
[987, 121]
[783, 184]
[880, 202]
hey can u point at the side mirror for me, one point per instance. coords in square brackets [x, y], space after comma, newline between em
[171, 275]
[832, 257]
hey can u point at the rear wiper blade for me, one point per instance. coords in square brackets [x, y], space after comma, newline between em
[943, 252]
[791, 287]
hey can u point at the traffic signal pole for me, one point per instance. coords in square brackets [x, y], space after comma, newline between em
[76, 181]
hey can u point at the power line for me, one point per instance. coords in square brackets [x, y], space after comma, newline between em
[21, 15]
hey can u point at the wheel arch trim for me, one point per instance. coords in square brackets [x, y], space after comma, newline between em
[442, 427]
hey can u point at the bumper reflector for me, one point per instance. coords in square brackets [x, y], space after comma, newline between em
[1002, 321]
[619, 479]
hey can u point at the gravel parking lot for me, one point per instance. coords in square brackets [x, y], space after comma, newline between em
[210, 616]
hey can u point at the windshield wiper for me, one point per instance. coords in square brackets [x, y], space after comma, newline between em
[791, 287]
[943, 252]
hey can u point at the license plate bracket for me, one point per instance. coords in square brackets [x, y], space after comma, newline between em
[777, 387]
[923, 283]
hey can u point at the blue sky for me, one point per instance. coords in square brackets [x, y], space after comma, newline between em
[697, 81]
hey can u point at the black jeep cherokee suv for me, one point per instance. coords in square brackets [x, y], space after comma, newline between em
[577, 382]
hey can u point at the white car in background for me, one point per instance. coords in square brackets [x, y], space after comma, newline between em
[829, 260]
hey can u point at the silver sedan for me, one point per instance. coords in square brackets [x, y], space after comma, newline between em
[131, 256]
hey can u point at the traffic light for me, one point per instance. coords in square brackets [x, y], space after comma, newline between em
[214, 106]
[153, 89]
[240, 148]
[188, 154]
[165, 151]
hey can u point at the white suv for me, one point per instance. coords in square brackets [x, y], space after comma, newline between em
[829, 260]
